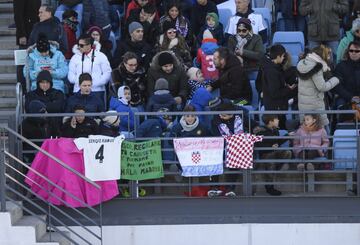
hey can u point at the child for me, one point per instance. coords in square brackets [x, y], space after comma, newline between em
[122, 105]
[79, 126]
[271, 128]
[196, 80]
[156, 126]
[310, 134]
[215, 27]
[161, 97]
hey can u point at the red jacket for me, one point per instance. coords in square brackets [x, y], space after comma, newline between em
[71, 39]
[205, 57]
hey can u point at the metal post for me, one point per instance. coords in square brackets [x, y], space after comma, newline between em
[2, 173]
[358, 164]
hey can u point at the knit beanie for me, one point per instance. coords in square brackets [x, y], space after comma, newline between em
[111, 119]
[44, 75]
[207, 34]
[167, 25]
[36, 106]
[355, 25]
[161, 84]
[214, 16]
[191, 73]
[245, 22]
[134, 26]
[42, 44]
[94, 28]
[165, 58]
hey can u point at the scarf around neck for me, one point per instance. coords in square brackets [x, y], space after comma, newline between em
[317, 58]
[186, 127]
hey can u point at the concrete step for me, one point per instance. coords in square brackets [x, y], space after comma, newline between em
[8, 104]
[8, 43]
[7, 66]
[8, 78]
[7, 91]
[6, 54]
[7, 32]
[33, 221]
[6, 7]
[16, 213]
[55, 237]
[6, 19]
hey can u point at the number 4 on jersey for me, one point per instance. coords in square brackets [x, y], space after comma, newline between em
[100, 154]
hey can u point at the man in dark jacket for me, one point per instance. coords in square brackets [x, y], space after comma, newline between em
[166, 65]
[85, 97]
[51, 27]
[276, 92]
[199, 12]
[135, 44]
[233, 81]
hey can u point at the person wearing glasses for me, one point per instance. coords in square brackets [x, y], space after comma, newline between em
[348, 71]
[352, 35]
[246, 45]
[88, 59]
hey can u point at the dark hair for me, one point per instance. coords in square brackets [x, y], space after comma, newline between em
[128, 56]
[226, 106]
[48, 8]
[84, 77]
[189, 108]
[224, 53]
[79, 107]
[268, 118]
[317, 118]
[87, 38]
[69, 13]
[276, 50]
[171, 4]
[149, 8]
[346, 54]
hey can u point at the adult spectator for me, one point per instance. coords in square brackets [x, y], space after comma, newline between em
[79, 126]
[276, 92]
[315, 80]
[354, 14]
[103, 45]
[51, 26]
[170, 40]
[182, 25]
[136, 4]
[85, 97]
[243, 10]
[348, 71]
[70, 27]
[323, 21]
[25, 16]
[116, 11]
[52, 98]
[88, 59]
[293, 20]
[96, 13]
[246, 45]
[352, 35]
[130, 73]
[46, 56]
[74, 5]
[146, 17]
[166, 65]
[135, 44]
[233, 81]
[199, 11]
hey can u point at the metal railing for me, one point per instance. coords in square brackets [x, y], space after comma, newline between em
[13, 189]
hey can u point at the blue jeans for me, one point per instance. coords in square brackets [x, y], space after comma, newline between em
[333, 45]
[78, 9]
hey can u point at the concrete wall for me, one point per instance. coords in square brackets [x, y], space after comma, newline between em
[236, 234]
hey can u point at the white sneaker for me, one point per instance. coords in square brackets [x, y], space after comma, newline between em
[230, 194]
[214, 193]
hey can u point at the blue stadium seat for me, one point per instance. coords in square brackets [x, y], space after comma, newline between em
[58, 14]
[293, 41]
[280, 22]
[266, 14]
[255, 95]
[258, 3]
[350, 154]
[224, 15]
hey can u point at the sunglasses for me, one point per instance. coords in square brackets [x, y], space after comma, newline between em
[81, 45]
[242, 30]
[171, 32]
[354, 51]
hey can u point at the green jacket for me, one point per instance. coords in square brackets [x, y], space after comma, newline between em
[324, 18]
[344, 43]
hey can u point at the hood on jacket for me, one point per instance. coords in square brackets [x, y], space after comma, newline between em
[75, 48]
[209, 45]
[163, 98]
[155, 61]
[201, 98]
[54, 46]
[306, 68]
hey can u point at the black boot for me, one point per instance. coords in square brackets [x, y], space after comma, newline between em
[272, 191]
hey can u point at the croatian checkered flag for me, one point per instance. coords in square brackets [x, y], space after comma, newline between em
[239, 150]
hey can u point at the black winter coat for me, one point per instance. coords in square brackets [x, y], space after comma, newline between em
[157, 102]
[198, 15]
[88, 127]
[265, 131]
[233, 81]
[90, 102]
[53, 99]
[348, 73]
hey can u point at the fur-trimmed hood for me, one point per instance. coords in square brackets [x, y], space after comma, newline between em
[306, 68]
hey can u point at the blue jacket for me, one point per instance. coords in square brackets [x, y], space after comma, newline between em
[158, 101]
[125, 121]
[55, 61]
[153, 127]
[90, 102]
[200, 101]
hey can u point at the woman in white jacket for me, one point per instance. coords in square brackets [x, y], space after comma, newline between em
[87, 58]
